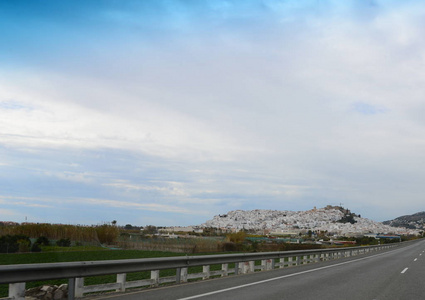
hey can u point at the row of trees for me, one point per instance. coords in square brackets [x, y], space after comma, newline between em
[103, 234]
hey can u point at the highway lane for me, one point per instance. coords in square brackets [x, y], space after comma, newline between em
[394, 274]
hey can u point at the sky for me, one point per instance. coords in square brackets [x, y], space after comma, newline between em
[169, 112]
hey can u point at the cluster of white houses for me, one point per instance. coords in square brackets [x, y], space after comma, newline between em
[292, 223]
[181, 229]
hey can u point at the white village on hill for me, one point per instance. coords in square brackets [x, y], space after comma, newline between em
[326, 219]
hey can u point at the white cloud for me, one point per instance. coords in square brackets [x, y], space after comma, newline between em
[14, 201]
[58, 119]
[140, 206]
[8, 214]
[164, 187]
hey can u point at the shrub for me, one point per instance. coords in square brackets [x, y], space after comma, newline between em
[229, 246]
[24, 245]
[237, 238]
[63, 243]
[42, 240]
[35, 248]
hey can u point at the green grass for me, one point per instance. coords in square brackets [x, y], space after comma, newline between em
[73, 248]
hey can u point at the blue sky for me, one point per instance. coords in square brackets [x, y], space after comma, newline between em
[170, 112]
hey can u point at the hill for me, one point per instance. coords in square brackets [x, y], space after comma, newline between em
[331, 219]
[415, 221]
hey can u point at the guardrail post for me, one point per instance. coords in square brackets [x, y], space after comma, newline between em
[290, 263]
[155, 278]
[206, 271]
[17, 291]
[252, 266]
[71, 288]
[225, 269]
[297, 263]
[184, 274]
[79, 287]
[245, 267]
[263, 265]
[178, 275]
[281, 263]
[236, 268]
[273, 264]
[121, 278]
[268, 264]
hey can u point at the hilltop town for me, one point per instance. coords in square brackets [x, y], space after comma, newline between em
[331, 219]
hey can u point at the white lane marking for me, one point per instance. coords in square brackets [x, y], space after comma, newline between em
[404, 271]
[415, 259]
[280, 277]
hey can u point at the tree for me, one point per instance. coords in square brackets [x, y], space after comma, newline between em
[150, 229]
[107, 234]
[14, 243]
[42, 240]
[348, 218]
[237, 238]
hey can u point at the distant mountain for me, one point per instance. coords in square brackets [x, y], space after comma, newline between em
[415, 221]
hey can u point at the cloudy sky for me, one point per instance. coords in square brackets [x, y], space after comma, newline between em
[170, 112]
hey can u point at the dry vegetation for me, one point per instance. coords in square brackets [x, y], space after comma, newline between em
[104, 234]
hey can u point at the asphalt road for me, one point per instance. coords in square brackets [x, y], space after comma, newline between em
[393, 274]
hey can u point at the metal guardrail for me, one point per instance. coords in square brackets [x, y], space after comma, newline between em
[17, 275]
